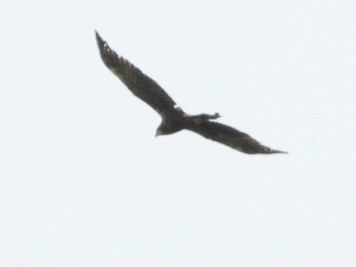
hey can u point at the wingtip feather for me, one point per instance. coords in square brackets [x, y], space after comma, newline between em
[279, 152]
[99, 40]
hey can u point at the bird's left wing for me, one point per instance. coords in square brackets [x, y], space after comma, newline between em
[139, 84]
[229, 136]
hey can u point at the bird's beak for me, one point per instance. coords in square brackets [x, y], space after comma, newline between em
[158, 133]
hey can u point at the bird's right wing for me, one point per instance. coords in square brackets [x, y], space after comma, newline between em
[139, 84]
[229, 136]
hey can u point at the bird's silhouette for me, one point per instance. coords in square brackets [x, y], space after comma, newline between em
[174, 119]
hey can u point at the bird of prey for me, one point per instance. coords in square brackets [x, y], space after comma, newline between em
[174, 119]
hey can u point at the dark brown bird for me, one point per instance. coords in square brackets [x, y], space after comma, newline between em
[174, 118]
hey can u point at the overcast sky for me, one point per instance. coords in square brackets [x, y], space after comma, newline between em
[83, 181]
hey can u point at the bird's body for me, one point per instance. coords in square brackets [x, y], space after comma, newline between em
[174, 119]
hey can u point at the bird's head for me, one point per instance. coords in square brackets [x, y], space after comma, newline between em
[161, 130]
[169, 126]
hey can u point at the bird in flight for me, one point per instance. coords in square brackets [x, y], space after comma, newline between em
[174, 119]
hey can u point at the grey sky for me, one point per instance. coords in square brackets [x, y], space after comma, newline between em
[83, 181]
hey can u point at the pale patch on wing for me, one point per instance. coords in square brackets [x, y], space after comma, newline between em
[178, 108]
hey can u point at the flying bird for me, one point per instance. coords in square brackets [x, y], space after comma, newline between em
[174, 119]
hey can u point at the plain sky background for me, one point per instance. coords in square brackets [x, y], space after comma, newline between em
[83, 181]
